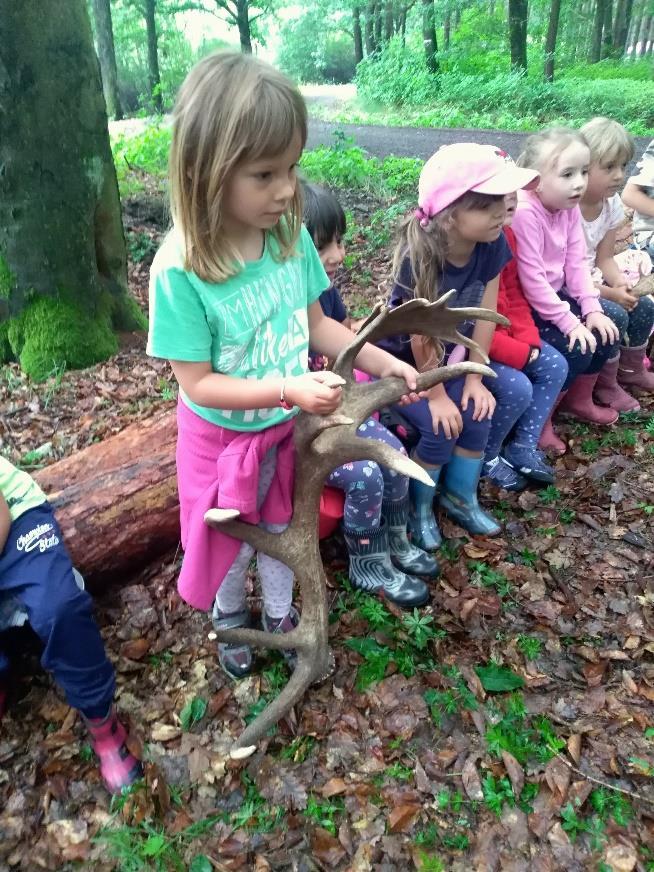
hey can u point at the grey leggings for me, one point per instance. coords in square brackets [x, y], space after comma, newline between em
[276, 578]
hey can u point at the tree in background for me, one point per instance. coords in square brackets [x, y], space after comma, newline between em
[429, 35]
[63, 271]
[518, 15]
[107, 56]
[550, 42]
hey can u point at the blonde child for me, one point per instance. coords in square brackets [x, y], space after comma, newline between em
[454, 241]
[639, 196]
[234, 295]
[376, 506]
[555, 276]
[611, 149]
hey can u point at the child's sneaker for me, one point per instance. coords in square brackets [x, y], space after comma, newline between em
[529, 461]
[503, 475]
[118, 766]
[235, 658]
[283, 625]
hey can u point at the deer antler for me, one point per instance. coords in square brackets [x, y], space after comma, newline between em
[322, 444]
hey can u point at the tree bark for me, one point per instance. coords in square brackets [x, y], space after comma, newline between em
[637, 29]
[358, 36]
[607, 36]
[388, 20]
[107, 57]
[370, 28]
[117, 501]
[429, 35]
[62, 248]
[621, 24]
[379, 16]
[243, 24]
[598, 28]
[447, 26]
[153, 55]
[644, 33]
[550, 42]
[518, 14]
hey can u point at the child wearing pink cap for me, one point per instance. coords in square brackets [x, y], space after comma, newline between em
[454, 241]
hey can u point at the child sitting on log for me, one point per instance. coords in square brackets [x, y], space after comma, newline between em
[381, 557]
[37, 574]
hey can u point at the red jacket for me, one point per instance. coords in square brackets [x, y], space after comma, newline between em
[512, 345]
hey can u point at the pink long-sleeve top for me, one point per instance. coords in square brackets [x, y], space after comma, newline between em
[551, 255]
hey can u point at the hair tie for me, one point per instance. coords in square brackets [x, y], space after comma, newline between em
[422, 216]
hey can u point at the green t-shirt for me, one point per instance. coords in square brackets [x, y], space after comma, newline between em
[19, 489]
[253, 325]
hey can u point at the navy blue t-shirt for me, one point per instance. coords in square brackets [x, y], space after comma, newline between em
[469, 281]
[332, 306]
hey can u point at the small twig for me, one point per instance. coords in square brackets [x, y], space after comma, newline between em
[606, 784]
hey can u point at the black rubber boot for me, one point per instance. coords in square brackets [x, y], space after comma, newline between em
[372, 570]
[404, 554]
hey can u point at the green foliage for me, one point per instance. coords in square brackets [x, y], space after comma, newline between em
[324, 811]
[397, 77]
[497, 679]
[530, 646]
[313, 48]
[530, 739]
[7, 279]
[482, 575]
[192, 713]
[147, 151]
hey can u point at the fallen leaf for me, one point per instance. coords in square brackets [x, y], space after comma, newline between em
[594, 672]
[326, 847]
[621, 858]
[135, 649]
[574, 747]
[471, 780]
[514, 771]
[164, 732]
[333, 787]
[402, 816]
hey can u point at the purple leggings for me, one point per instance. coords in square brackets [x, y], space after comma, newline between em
[436, 449]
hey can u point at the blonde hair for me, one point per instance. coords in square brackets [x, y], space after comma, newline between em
[232, 108]
[425, 248]
[608, 141]
[542, 150]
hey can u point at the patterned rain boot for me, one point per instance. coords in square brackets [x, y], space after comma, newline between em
[608, 391]
[118, 767]
[579, 402]
[372, 570]
[459, 496]
[404, 554]
[632, 372]
[283, 625]
[422, 521]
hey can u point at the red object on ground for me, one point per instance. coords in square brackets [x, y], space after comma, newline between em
[331, 511]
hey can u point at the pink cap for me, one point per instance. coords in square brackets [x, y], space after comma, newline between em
[456, 169]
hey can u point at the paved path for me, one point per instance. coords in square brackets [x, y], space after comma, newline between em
[420, 142]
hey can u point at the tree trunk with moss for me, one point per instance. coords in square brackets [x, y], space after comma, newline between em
[63, 268]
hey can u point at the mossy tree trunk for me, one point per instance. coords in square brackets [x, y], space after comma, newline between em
[63, 273]
[518, 16]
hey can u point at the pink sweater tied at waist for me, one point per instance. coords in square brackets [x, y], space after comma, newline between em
[219, 468]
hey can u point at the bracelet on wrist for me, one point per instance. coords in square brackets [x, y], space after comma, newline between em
[283, 402]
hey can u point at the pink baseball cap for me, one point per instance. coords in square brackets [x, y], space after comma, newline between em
[456, 169]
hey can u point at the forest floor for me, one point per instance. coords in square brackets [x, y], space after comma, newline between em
[509, 725]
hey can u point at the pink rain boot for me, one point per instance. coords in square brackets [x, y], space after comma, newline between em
[632, 373]
[118, 767]
[549, 441]
[608, 391]
[579, 402]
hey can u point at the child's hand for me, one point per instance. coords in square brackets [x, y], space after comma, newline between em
[607, 330]
[318, 393]
[620, 294]
[584, 337]
[481, 397]
[445, 413]
[400, 369]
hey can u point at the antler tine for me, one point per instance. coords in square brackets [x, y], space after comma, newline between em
[273, 544]
[361, 400]
[417, 317]
[355, 447]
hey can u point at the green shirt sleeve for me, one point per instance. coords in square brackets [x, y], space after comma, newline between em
[315, 275]
[178, 322]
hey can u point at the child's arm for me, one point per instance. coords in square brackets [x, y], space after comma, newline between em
[315, 392]
[328, 337]
[444, 412]
[634, 197]
[5, 522]
[615, 287]
[474, 389]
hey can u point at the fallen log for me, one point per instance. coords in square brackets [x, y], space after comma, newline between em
[116, 501]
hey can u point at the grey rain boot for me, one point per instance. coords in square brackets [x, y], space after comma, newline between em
[371, 569]
[234, 657]
[404, 554]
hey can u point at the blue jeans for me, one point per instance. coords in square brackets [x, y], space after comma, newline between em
[36, 570]
[437, 449]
